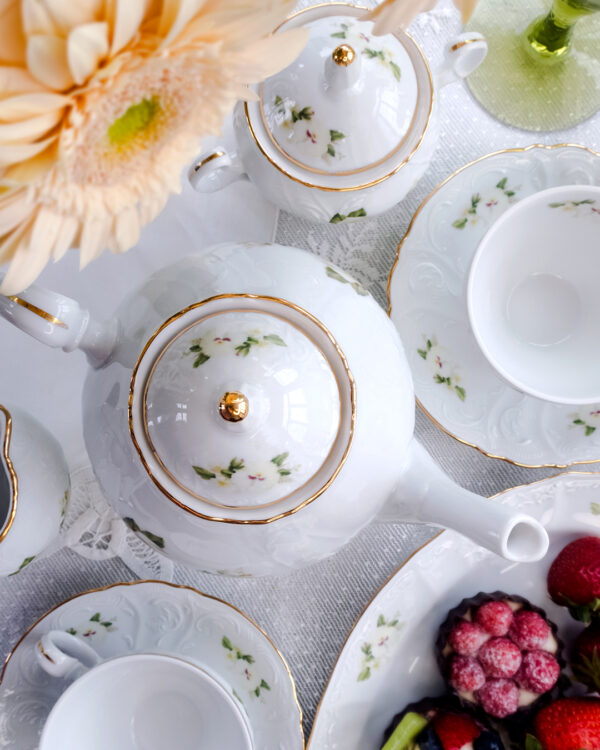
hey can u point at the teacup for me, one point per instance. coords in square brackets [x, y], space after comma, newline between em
[136, 702]
[533, 298]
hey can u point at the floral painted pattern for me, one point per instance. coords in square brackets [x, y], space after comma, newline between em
[337, 276]
[326, 138]
[206, 347]
[235, 654]
[154, 538]
[585, 207]
[588, 421]
[276, 470]
[502, 193]
[443, 374]
[93, 626]
[337, 218]
[64, 504]
[385, 57]
[375, 651]
[24, 564]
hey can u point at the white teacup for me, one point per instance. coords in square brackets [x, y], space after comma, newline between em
[533, 297]
[136, 702]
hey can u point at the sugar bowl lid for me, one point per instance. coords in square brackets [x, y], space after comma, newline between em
[348, 102]
[241, 408]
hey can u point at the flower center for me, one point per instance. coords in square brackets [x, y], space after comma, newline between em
[138, 118]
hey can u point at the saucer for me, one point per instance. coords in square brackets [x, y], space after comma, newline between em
[156, 617]
[389, 658]
[454, 383]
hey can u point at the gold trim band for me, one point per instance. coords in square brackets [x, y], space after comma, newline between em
[44, 654]
[524, 149]
[12, 475]
[351, 188]
[458, 45]
[38, 311]
[352, 394]
[173, 586]
[210, 157]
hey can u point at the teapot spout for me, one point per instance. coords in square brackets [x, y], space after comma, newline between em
[59, 322]
[426, 494]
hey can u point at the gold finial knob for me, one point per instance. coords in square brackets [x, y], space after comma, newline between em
[343, 55]
[233, 406]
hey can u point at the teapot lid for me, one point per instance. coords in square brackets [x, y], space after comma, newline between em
[242, 403]
[347, 103]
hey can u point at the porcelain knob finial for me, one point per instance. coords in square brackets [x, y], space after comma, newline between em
[233, 406]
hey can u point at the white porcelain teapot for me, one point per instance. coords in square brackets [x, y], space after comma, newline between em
[346, 130]
[249, 409]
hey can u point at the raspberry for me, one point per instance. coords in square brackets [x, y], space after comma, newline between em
[539, 672]
[499, 657]
[455, 731]
[499, 698]
[529, 630]
[466, 638]
[494, 617]
[466, 674]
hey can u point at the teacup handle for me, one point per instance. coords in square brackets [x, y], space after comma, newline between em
[215, 170]
[462, 56]
[61, 654]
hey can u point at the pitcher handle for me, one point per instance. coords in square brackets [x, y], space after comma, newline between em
[61, 654]
[426, 494]
[215, 170]
[462, 56]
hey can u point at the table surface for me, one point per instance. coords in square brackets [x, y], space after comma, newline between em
[309, 613]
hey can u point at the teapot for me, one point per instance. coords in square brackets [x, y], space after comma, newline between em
[346, 130]
[249, 409]
[34, 489]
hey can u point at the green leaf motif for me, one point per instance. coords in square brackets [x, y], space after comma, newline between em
[422, 353]
[336, 135]
[595, 508]
[460, 223]
[278, 100]
[333, 274]
[244, 657]
[95, 618]
[587, 201]
[264, 684]
[589, 430]
[578, 421]
[373, 53]
[380, 621]
[364, 674]
[273, 338]
[475, 201]
[396, 70]
[244, 348]
[236, 464]
[556, 205]
[226, 643]
[305, 113]
[532, 743]
[71, 631]
[502, 183]
[158, 540]
[24, 564]
[336, 218]
[330, 150]
[460, 392]
[279, 459]
[358, 212]
[509, 193]
[339, 35]
[367, 650]
[204, 473]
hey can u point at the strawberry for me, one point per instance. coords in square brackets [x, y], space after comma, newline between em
[454, 731]
[567, 724]
[574, 578]
[585, 659]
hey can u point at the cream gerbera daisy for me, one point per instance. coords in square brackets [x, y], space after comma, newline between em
[392, 15]
[102, 102]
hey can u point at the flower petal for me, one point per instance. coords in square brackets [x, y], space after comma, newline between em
[175, 15]
[466, 8]
[94, 237]
[29, 259]
[13, 210]
[270, 55]
[47, 60]
[12, 40]
[392, 15]
[17, 81]
[66, 237]
[125, 17]
[36, 18]
[30, 129]
[19, 152]
[15, 108]
[68, 14]
[87, 46]
[25, 172]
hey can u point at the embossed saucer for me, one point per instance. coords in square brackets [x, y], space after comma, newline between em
[454, 383]
[156, 617]
[389, 658]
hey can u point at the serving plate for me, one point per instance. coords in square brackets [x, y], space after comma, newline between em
[156, 617]
[455, 385]
[388, 659]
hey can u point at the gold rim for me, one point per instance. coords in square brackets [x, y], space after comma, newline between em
[38, 311]
[408, 559]
[389, 298]
[458, 45]
[347, 172]
[145, 401]
[351, 188]
[12, 475]
[352, 389]
[173, 586]
[210, 157]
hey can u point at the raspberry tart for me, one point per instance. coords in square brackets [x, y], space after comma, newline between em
[500, 654]
[439, 724]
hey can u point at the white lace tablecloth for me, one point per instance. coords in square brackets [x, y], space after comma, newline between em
[309, 613]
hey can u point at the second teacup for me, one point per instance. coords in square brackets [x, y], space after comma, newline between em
[532, 295]
[137, 702]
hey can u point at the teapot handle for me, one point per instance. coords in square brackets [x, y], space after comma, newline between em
[59, 322]
[215, 170]
[61, 654]
[462, 56]
[426, 494]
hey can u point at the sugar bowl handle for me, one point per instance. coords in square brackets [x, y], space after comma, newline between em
[462, 56]
[215, 170]
[61, 654]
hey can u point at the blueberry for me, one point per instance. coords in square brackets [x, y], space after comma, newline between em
[488, 741]
[428, 739]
